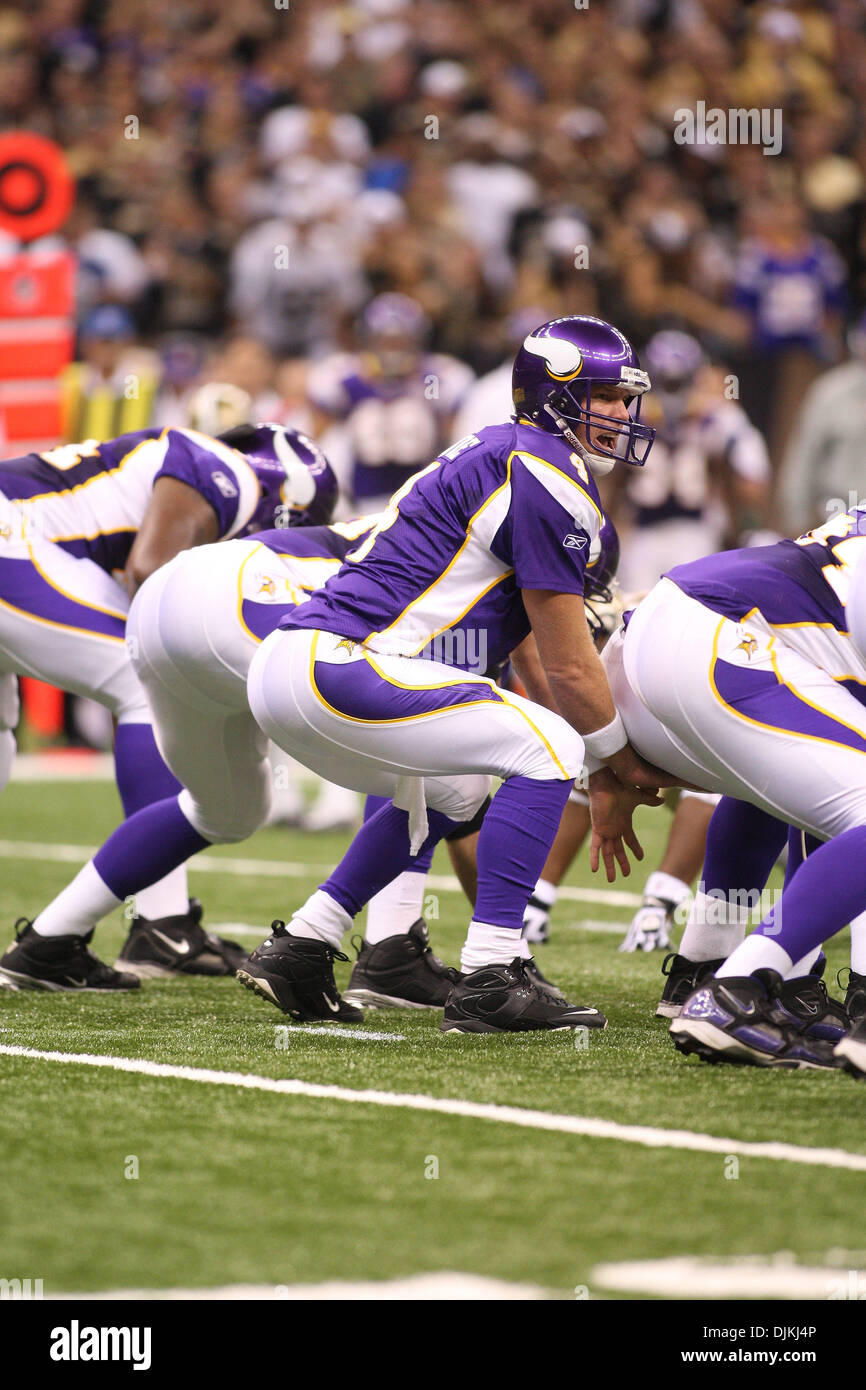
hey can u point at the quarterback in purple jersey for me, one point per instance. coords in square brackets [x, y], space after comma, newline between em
[81, 528]
[767, 707]
[376, 681]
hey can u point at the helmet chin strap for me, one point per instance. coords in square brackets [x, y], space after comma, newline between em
[598, 464]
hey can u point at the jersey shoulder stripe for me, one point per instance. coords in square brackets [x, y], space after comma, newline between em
[568, 491]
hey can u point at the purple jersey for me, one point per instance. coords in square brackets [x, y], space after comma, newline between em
[318, 542]
[510, 508]
[392, 427]
[787, 299]
[91, 498]
[800, 587]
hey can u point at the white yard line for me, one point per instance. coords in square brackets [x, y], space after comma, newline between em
[429, 1287]
[583, 1125]
[746, 1276]
[280, 868]
[63, 765]
[333, 1030]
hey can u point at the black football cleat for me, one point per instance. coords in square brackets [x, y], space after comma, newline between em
[400, 972]
[855, 995]
[159, 947]
[683, 978]
[736, 1019]
[805, 1005]
[506, 999]
[58, 963]
[296, 973]
[542, 981]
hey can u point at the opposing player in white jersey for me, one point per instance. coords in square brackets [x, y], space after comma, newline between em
[394, 401]
[373, 681]
[81, 527]
[767, 707]
[710, 476]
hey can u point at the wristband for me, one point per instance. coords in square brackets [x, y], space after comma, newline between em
[603, 743]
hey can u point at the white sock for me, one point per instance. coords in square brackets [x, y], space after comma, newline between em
[709, 934]
[802, 966]
[167, 898]
[546, 892]
[393, 911]
[487, 945]
[858, 944]
[670, 889]
[321, 917]
[78, 907]
[756, 953]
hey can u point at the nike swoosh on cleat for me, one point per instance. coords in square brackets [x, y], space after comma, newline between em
[746, 1010]
[335, 1008]
[180, 948]
[75, 984]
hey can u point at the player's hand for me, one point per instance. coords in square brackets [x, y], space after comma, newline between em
[612, 805]
[629, 767]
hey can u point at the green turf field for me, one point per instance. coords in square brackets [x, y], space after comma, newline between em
[249, 1187]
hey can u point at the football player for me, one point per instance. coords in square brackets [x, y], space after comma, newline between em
[393, 970]
[710, 475]
[372, 682]
[81, 528]
[766, 708]
[395, 401]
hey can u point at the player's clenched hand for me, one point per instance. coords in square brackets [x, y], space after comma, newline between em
[611, 805]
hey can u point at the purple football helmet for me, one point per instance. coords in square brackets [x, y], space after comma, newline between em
[395, 329]
[599, 580]
[674, 359]
[298, 485]
[551, 385]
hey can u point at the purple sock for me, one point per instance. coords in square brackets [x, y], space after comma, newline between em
[142, 776]
[146, 847]
[378, 853]
[827, 891]
[421, 863]
[515, 840]
[796, 855]
[743, 844]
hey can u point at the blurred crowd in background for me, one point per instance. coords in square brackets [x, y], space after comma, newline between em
[253, 176]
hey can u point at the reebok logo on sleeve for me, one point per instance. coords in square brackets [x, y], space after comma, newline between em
[576, 540]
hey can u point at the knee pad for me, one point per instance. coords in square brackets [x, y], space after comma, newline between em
[225, 825]
[472, 826]
[460, 797]
[124, 696]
